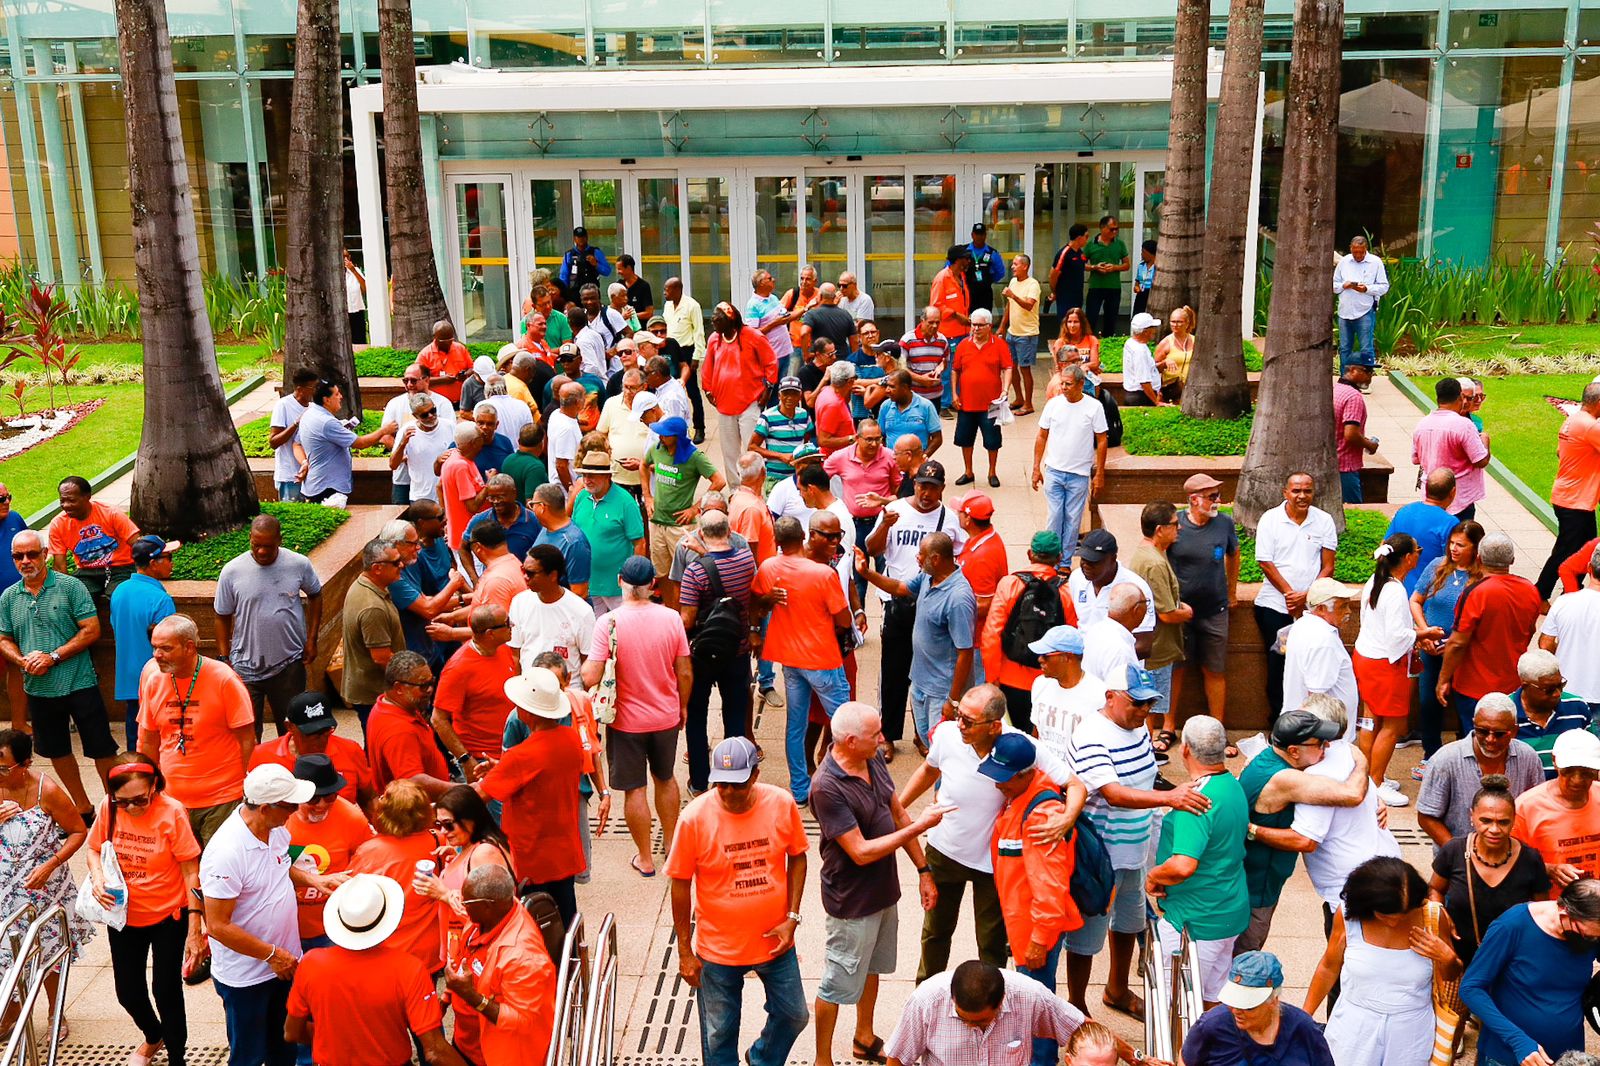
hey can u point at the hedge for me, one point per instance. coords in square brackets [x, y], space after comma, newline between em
[1363, 532]
[383, 362]
[256, 435]
[1168, 431]
[305, 525]
[1111, 355]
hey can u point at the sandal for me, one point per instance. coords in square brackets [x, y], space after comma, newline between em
[922, 748]
[1164, 739]
[134, 1058]
[634, 862]
[1133, 1006]
[868, 1052]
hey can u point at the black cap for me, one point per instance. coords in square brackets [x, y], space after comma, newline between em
[319, 770]
[310, 712]
[979, 227]
[887, 348]
[579, 231]
[1096, 545]
[931, 473]
[1297, 727]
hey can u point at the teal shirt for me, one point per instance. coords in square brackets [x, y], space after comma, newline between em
[1211, 903]
[528, 471]
[44, 623]
[1266, 869]
[1113, 253]
[612, 525]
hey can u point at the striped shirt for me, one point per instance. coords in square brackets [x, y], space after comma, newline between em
[1103, 753]
[735, 566]
[782, 433]
[923, 356]
[1570, 713]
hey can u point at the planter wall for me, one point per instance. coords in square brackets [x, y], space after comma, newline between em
[1114, 381]
[1138, 479]
[370, 486]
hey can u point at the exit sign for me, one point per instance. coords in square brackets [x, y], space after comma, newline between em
[1489, 18]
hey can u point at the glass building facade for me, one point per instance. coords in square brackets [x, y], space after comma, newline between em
[1467, 131]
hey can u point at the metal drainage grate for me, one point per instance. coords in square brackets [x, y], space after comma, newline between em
[1408, 837]
[104, 1054]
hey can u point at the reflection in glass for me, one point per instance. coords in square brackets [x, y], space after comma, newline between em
[1153, 195]
[552, 220]
[710, 261]
[602, 216]
[777, 245]
[884, 278]
[1580, 193]
[933, 203]
[906, 42]
[827, 225]
[484, 261]
[1508, 29]
[1005, 213]
[659, 239]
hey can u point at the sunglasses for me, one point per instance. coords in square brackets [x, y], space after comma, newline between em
[136, 802]
[37, 553]
[1487, 734]
[829, 536]
[5, 497]
[971, 723]
[446, 824]
[429, 413]
[417, 684]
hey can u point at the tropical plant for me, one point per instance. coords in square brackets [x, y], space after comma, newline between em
[41, 336]
[1263, 300]
[108, 310]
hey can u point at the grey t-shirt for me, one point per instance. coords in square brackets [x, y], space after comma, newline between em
[269, 627]
[327, 443]
[1453, 778]
[1199, 557]
[681, 555]
[834, 323]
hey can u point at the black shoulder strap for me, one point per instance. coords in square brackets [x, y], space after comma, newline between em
[939, 523]
[715, 579]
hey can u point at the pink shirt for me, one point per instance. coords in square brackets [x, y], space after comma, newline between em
[833, 415]
[1348, 406]
[1449, 439]
[881, 476]
[650, 637]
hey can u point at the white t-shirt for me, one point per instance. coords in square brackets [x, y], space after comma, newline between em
[421, 450]
[397, 413]
[1575, 623]
[905, 537]
[565, 436]
[1346, 836]
[1070, 447]
[353, 299]
[1388, 630]
[1138, 368]
[238, 865]
[286, 412]
[513, 414]
[1057, 710]
[1093, 606]
[1315, 660]
[1108, 649]
[784, 502]
[964, 834]
[1295, 549]
[565, 627]
[860, 308]
[1104, 753]
[593, 346]
[674, 401]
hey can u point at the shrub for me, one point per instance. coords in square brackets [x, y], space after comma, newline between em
[1111, 355]
[305, 525]
[386, 362]
[1168, 431]
[255, 435]
[1363, 532]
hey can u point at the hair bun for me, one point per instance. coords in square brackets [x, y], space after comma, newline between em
[1495, 783]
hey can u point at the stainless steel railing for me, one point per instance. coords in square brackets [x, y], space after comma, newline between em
[30, 968]
[600, 1020]
[1172, 994]
[572, 986]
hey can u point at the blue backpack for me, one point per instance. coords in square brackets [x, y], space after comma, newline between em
[1093, 879]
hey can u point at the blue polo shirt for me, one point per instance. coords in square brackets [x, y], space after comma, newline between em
[920, 418]
[946, 615]
[574, 548]
[426, 577]
[10, 526]
[494, 454]
[1430, 527]
[1571, 713]
[136, 605]
[520, 535]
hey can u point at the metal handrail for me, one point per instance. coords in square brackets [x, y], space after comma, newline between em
[572, 978]
[30, 959]
[1173, 996]
[600, 1020]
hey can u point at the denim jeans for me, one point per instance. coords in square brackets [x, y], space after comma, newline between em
[832, 688]
[948, 400]
[255, 1016]
[1466, 707]
[290, 492]
[400, 494]
[721, 995]
[1355, 335]
[927, 708]
[1350, 486]
[1065, 496]
[1430, 712]
[1045, 1051]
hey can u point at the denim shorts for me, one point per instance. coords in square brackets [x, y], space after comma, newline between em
[856, 949]
[1127, 915]
[1024, 350]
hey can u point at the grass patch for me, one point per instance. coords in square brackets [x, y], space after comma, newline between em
[229, 357]
[305, 525]
[1168, 431]
[1363, 532]
[385, 362]
[1489, 342]
[255, 435]
[1111, 355]
[1521, 423]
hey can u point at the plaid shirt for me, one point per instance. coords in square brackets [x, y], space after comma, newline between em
[930, 1032]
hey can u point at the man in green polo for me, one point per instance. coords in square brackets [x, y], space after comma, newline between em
[611, 520]
[47, 624]
[1108, 260]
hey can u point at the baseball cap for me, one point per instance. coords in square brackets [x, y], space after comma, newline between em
[319, 770]
[733, 761]
[1252, 979]
[791, 384]
[887, 348]
[808, 450]
[1096, 545]
[1046, 542]
[309, 712]
[1138, 684]
[655, 320]
[979, 227]
[579, 231]
[1143, 321]
[567, 349]
[1577, 748]
[637, 571]
[628, 344]
[1324, 589]
[148, 549]
[1297, 727]
[976, 505]
[1058, 640]
[931, 472]
[483, 366]
[1200, 483]
[1012, 754]
[272, 783]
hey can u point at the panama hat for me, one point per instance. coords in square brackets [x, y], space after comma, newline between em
[364, 911]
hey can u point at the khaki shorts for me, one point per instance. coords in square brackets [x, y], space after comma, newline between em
[205, 821]
[663, 542]
[856, 949]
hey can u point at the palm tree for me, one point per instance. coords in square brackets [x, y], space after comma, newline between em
[1292, 429]
[191, 477]
[1184, 203]
[1217, 386]
[318, 330]
[417, 301]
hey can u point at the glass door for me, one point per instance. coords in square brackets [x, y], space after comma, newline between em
[1152, 193]
[552, 217]
[708, 239]
[933, 231]
[883, 268]
[827, 224]
[483, 291]
[775, 229]
[601, 210]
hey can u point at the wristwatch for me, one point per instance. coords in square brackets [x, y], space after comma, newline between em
[794, 916]
[1250, 831]
[55, 657]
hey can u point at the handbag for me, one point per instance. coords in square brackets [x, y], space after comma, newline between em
[1447, 1007]
[604, 695]
[89, 908]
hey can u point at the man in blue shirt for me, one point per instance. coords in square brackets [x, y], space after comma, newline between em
[428, 584]
[584, 264]
[906, 412]
[521, 527]
[1428, 522]
[136, 606]
[987, 267]
[11, 523]
[557, 528]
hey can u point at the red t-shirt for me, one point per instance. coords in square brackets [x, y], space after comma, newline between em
[363, 1004]
[399, 744]
[472, 694]
[833, 417]
[1498, 616]
[801, 632]
[537, 781]
[347, 756]
[980, 367]
[983, 564]
[324, 847]
[397, 857]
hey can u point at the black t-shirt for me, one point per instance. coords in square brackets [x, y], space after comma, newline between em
[640, 296]
[542, 373]
[1526, 882]
[810, 377]
[833, 322]
[1199, 558]
[1069, 284]
[841, 803]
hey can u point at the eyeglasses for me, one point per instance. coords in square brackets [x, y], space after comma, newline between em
[500, 625]
[446, 824]
[389, 562]
[430, 683]
[1486, 734]
[965, 722]
[870, 440]
[37, 553]
[131, 801]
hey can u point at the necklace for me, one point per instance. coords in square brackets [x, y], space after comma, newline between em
[1478, 854]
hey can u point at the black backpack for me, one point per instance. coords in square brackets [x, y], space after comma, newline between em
[1113, 417]
[1094, 882]
[720, 629]
[1036, 612]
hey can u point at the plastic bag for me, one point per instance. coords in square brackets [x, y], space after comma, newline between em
[89, 908]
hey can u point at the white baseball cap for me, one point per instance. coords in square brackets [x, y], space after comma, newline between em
[1143, 321]
[272, 783]
[1576, 748]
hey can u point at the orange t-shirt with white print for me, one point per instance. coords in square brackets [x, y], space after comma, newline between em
[1557, 832]
[325, 847]
[207, 768]
[151, 845]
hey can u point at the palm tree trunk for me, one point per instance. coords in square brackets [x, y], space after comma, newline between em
[1217, 385]
[1183, 207]
[417, 301]
[318, 329]
[1292, 428]
[191, 477]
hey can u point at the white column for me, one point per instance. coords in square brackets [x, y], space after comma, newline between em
[1252, 239]
[369, 193]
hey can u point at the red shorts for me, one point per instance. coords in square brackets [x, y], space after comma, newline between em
[1384, 686]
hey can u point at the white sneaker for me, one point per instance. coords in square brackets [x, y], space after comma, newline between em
[1392, 796]
[1390, 782]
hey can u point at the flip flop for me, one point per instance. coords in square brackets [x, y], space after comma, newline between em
[1133, 1009]
[1163, 741]
[634, 862]
[868, 1052]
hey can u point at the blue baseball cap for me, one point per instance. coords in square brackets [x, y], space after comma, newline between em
[1060, 639]
[1012, 754]
[637, 570]
[1140, 686]
[1253, 978]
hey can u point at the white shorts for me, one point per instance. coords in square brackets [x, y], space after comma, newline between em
[1216, 958]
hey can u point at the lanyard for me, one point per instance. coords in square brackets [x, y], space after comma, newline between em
[183, 705]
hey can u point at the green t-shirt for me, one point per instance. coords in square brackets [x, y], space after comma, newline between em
[528, 471]
[612, 525]
[1212, 902]
[673, 485]
[1266, 869]
[44, 623]
[558, 330]
[1096, 252]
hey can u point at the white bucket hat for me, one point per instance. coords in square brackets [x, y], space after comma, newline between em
[364, 911]
[539, 693]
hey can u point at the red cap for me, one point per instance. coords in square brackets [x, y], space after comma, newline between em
[976, 505]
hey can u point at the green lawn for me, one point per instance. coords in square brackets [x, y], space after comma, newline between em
[1488, 342]
[1521, 424]
[229, 357]
[1168, 431]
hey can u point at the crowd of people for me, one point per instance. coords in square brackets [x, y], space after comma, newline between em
[534, 644]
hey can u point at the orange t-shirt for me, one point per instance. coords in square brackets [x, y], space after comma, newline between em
[949, 294]
[801, 632]
[347, 756]
[1577, 463]
[151, 844]
[500, 581]
[748, 516]
[446, 365]
[325, 847]
[364, 1003]
[510, 963]
[1557, 832]
[980, 367]
[459, 482]
[739, 865]
[210, 768]
[98, 541]
[397, 857]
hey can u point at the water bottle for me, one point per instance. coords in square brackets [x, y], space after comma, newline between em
[118, 894]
